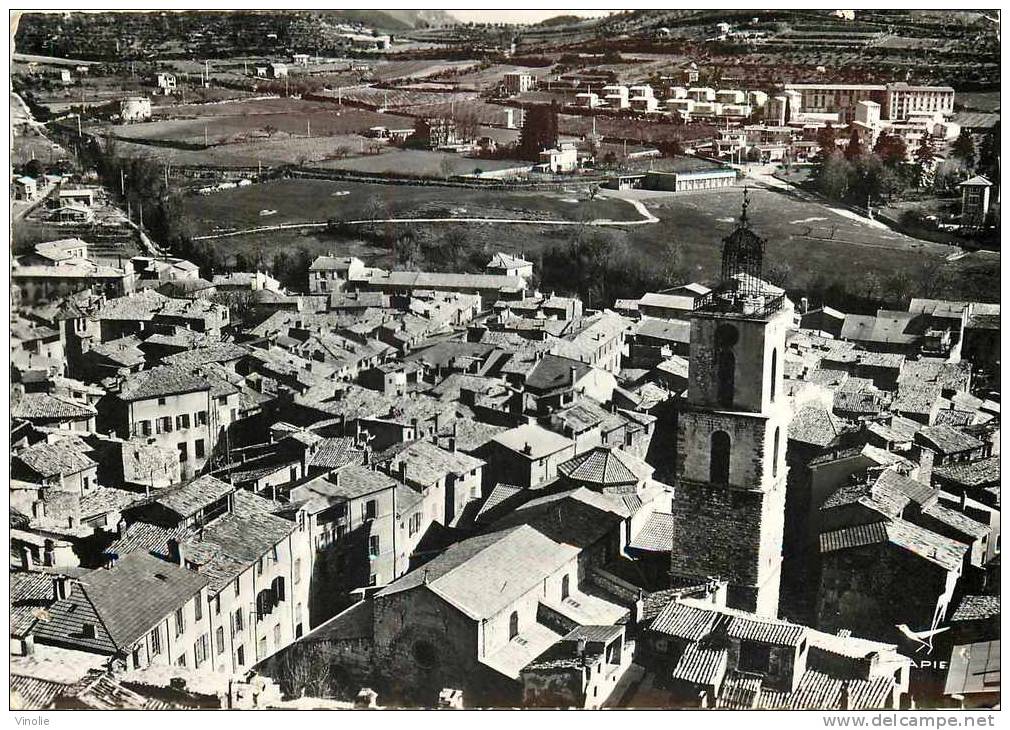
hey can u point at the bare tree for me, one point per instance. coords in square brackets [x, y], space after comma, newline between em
[306, 673]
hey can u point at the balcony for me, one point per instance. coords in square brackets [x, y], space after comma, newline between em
[759, 306]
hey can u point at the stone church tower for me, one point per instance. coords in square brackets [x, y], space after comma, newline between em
[729, 498]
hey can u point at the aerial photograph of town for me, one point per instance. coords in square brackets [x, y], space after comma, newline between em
[492, 359]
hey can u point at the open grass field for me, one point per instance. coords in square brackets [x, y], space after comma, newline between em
[302, 200]
[812, 239]
[417, 162]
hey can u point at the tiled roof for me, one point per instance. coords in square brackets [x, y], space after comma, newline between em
[971, 473]
[427, 463]
[61, 458]
[501, 494]
[656, 534]
[684, 622]
[672, 330]
[777, 633]
[935, 548]
[540, 441]
[959, 522]
[230, 544]
[122, 603]
[161, 381]
[948, 439]
[220, 352]
[332, 453]
[815, 424]
[348, 482]
[482, 575]
[43, 406]
[554, 372]
[106, 499]
[30, 592]
[188, 499]
[975, 608]
[739, 692]
[125, 351]
[700, 665]
[599, 466]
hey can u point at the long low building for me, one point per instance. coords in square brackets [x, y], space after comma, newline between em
[491, 287]
[691, 180]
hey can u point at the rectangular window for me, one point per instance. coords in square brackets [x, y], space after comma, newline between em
[262, 648]
[200, 651]
[368, 510]
[156, 641]
[297, 571]
[273, 554]
[238, 587]
[166, 424]
[136, 657]
[198, 606]
[239, 626]
[277, 635]
[183, 453]
[161, 401]
[181, 661]
[373, 545]
[259, 566]
[217, 604]
[180, 622]
[220, 639]
[182, 421]
[240, 656]
[372, 580]
[201, 418]
[198, 445]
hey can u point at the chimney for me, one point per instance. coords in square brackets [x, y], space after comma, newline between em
[452, 444]
[527, 449]
[435, 419]
[176, 551]
[845, 700]
[401, 470]
[804, 305]
[580, 646]
[26, 558]
[572, 373]
[925, 475]
[61, 587]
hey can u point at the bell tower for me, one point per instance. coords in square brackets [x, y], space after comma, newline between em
[729, 499]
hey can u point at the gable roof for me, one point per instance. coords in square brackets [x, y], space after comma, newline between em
[123, 603]
[161, 381]
[57, 459]
[45, 406]
[919, 541]
[540, 441]
[188, 499]
[483, 575]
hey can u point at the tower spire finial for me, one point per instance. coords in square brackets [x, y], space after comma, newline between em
[743, 208]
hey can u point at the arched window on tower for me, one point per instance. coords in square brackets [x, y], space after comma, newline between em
[775, 372]
[718, 470]
[513, 625]
[775, 452]
[726, 338]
